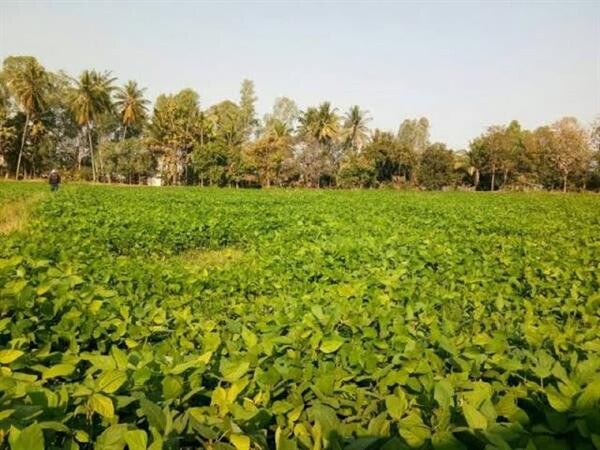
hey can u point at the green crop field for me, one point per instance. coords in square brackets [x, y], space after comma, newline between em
[235, 319]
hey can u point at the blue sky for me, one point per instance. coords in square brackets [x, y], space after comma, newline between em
[464, 65]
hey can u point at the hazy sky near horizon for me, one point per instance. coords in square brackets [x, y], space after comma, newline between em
[463, 65]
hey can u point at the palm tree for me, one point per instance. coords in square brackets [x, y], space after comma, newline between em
[328, 125]
[131, 105]
[320, 123]
[356, 131]
[29, 82]
[91, 97]
[320, 127]
[279, 129]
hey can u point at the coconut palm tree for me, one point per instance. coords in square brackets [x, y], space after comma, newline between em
[320, 127]
[91, 97]
[355, 131]
[28, 82]
[279, 129]
[328, 125]
[131, 105]
[320, 123]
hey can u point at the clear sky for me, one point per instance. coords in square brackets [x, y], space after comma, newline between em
[463, 65]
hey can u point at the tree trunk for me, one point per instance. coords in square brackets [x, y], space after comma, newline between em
[504, 179]
[476, 178]
[92, 153]
[101, 173]
[22, 146]
[124, 133]
[493, 178]
[565, 183]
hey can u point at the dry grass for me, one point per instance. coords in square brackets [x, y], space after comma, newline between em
[15, 215]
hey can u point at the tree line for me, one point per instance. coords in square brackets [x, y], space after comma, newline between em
[91, 128]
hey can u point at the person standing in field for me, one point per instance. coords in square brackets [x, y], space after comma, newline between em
[54, 180]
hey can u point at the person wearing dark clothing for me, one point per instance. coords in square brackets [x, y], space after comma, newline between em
[54, 180]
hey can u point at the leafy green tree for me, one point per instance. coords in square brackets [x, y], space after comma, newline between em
[268, 154]
[174, 130]
[8, 132]
[537, 148]
[127, 160]
[64, 134]
[210, 161]
[356, 171]
[28, 82]
[229, 133]
[413, 138]
[131, 106]
[392, 161]
[91, 97]
[512, 152]
[437, 167]
[477, 159]
[491, 149]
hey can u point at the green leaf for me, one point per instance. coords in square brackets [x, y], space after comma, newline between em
[194, 363]
[282, 442]
[240, 441]
[110, 381]
[82, 436]
[558, 401]
[172, 387]
[396, 405]
[30, 438]
[95, 306]
[475, 419]
[113, 438]
[249, 337]
[6, 414]
[53, 425]
[590, 397]
[156, 418]
[8, 356]
[235, 389]
[234, 370]
[445, 440]
[330, 345]
[596, 440]
[136, 439]
[120, 357]
[102, 405]
[58, 370]
[443, 393]
[413, 430]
